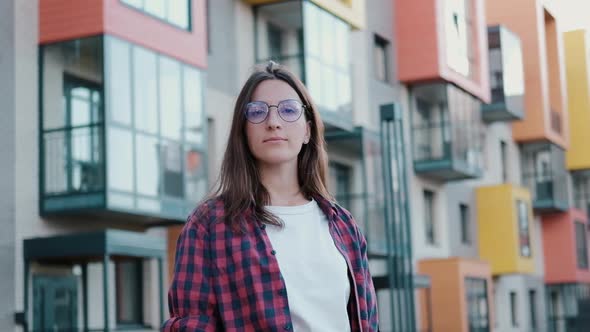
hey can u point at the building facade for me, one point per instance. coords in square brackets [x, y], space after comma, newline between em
[456, 132]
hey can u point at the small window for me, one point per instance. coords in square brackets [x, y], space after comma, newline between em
[533, 307]
[504, 160]
[176, 12]
[513, 309]
[523, 228]
[429, 222]
[581, 245]
[380, 50]
[464, 215]
[129, 291]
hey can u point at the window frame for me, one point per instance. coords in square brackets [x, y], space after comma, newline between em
[513, 297]
[465, 220]
[383, 45]
[429, 221]
[580, 230]
[189, 21]
[138, 301]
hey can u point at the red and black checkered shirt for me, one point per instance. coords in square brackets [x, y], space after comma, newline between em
[226, 281]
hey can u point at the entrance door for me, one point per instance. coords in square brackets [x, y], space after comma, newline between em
[55, 303]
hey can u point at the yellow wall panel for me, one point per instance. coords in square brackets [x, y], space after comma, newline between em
[576, 56]
[497, 219]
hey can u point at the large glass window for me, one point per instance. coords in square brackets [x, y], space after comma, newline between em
[157, 158]
[314, 44]
[545, 175]
[175, 12]
[582, 245]
[477, 303]
[447, 125]
[457, 35]
[72, 105]
[523, 228]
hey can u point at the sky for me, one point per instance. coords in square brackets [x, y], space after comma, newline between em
[571, 14]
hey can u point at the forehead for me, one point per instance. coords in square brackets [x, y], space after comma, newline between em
[273, 91]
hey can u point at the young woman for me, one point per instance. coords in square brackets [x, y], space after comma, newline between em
[271, 250]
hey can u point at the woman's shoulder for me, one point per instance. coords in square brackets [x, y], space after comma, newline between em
[207, 212]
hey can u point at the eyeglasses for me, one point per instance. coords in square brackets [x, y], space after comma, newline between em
[289, 110]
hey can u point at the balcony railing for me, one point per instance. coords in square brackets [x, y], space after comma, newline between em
[448, 150]
[74, 160]
[549, 190]
[368, 212]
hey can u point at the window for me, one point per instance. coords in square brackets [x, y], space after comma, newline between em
[504, 160]
[464, 215]
[176, 12]
[513, 309]
[274, 41]
[477, 303]
[523, 228]
[340, 176]
[129, 291]
[381, 56]
[581, 245]
[533, 307]
[429, 224]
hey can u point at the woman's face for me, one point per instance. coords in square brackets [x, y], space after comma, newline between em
[274, 140]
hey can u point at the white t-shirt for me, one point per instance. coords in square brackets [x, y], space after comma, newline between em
[315, 272]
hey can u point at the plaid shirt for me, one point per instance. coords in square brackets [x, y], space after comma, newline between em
[224, 281]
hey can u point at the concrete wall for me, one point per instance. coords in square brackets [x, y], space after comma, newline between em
[521, 285]
[8, 89]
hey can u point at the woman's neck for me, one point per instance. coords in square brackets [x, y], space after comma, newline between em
[282, 184]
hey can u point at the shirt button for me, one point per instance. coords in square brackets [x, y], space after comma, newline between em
[263, 226]
[281, 292]
[273, 252]
[287, 327]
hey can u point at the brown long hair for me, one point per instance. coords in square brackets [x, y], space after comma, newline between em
[239, 184]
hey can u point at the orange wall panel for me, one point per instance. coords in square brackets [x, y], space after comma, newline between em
[449, 299]
[61, 20]
[559, 248]
[139, 28]
[417, 56]
[421, 46]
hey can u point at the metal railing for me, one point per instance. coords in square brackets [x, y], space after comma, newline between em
[73, 160]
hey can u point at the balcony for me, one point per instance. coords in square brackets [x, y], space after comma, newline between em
[566, 247]
[541, 43]
[505, 220]
[447, 133]
[314, 44]
[122, 137]
[544, 174]
[506, 77]
[440, 40]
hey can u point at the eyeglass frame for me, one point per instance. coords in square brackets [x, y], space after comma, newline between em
[268, 106]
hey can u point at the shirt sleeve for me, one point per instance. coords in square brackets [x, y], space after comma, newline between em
[191, 299]
[370, 295]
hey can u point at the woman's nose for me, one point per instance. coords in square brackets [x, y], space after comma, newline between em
[273, 120]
